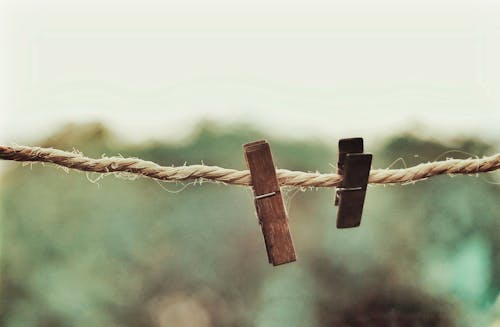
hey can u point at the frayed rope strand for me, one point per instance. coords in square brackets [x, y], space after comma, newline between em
[241, 177]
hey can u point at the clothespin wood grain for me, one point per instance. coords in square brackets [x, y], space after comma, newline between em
[354, 166]
[271, 211]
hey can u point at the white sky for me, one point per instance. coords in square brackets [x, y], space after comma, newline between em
[312, 68]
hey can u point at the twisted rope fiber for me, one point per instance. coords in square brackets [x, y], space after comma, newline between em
[236, 177]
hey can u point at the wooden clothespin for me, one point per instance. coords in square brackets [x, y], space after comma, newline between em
[354, 166]
[269, 203]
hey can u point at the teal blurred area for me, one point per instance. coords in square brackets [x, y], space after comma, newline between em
[81, 250]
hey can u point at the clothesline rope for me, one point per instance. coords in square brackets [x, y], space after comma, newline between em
[105, 165]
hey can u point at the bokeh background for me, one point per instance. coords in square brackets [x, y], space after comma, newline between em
[190, 82]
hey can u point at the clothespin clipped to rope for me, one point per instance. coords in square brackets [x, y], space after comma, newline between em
[354, 166]
[271, 211]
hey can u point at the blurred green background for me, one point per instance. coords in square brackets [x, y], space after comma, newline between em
[82, 251]
[412, 77]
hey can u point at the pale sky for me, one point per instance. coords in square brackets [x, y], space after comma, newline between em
[326, 69]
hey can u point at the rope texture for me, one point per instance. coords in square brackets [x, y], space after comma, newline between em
[231, 176]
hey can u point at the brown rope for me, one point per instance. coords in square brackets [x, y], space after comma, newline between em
[150, 169]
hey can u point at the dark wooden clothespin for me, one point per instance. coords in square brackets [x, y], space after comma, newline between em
[354, 166]
[269, 203]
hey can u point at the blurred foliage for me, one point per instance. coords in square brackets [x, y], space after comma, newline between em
[120, 252]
